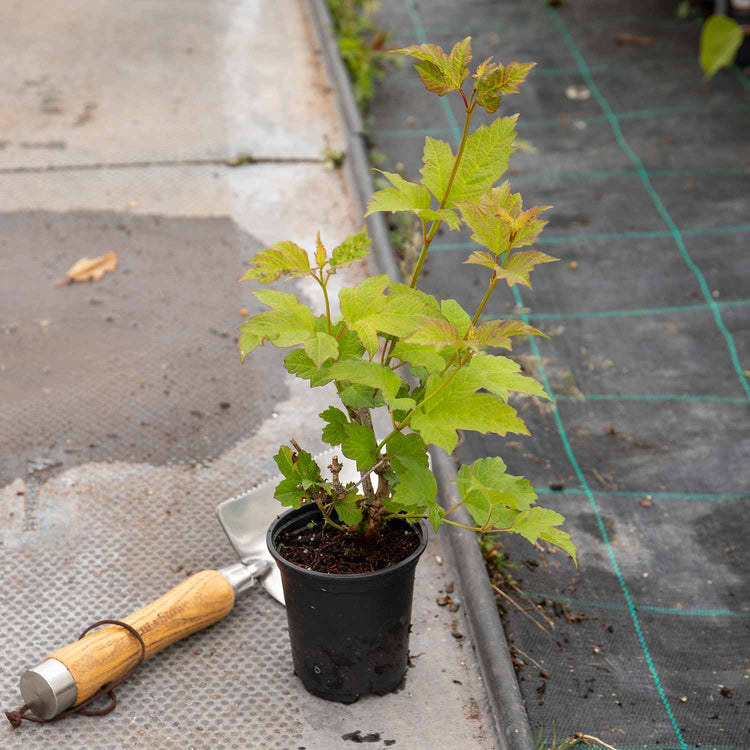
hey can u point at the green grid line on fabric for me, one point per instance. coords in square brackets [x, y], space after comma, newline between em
[613, 120]
[605, 536]
[655, 397]
[620, 313]
[656, 494]
[570, 70]
[652, 234]
[639, 607]
[561, 429]
[637, 114]
[604, 174]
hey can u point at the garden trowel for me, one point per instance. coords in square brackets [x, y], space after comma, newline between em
[72, 674]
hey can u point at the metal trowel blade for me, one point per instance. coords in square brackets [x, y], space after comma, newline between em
[246, 518]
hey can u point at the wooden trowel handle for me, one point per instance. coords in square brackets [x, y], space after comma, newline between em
[101, 657]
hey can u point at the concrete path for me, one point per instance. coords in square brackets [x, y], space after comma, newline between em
[184, 137]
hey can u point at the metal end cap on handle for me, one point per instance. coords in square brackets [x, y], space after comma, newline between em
[48, 689]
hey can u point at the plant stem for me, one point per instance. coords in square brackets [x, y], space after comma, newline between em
[490, 287]
[328, 518]
[409, 516]
[323, 285]
[436, 224]
[328, 307]
[474, 528]
[511, 240]
[405, 421]
[347, 490]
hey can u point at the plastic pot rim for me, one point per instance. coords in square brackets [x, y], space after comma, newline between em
[285, 519]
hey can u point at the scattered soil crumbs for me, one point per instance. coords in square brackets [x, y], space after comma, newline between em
[328, 550]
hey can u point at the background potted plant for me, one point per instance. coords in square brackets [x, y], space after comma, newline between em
[348, 549]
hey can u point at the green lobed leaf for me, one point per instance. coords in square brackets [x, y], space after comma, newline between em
[494, 80]
[435, 514]
[430, 304]
[456, 315]
[352, 249]
[451, 403]
[439, 72]
[484, 160]
[497, 333]
[360, 445]
[374, 375]
[288, 493]
[433, 77]
[306, 467]
[438, 164]
[491, 473]
[528, 227]
[408, 445]
[457, 65]
[721, 37]
[501, 374]
[301, 472]
[488, 79]
[561, 539]
[428, 52]
[493, 497]
[333, 432]
[537, 523]
[368, 311]
[448, 215]
[492, 334]
[285, 461]
[401, 196]
[415, 486]
[281, 259]
[435, 333]
[320, 252]
[513, 75]
[480, 258]
[498, 222]
[248, 343]
[299, 364]
[521, 264]
[289, 322]
[419, 356]
[349, 344]
[321, 347]
[360, 304]
[361, 397]
[347, 509]
[490, 228]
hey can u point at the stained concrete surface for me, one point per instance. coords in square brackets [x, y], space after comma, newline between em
[113, 82]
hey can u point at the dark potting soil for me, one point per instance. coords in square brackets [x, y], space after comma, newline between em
[327, 550]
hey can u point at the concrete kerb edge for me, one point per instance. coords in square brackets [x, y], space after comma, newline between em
[510, 721]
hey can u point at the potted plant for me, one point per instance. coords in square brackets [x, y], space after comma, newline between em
[348, 549]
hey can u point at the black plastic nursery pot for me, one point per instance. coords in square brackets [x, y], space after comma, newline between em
[349, 633]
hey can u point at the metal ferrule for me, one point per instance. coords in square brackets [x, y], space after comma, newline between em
[242, 576]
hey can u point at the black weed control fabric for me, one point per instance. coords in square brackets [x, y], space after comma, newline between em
[645, 448]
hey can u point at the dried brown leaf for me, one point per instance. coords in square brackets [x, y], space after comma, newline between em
[634, 40]
[88, 269]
